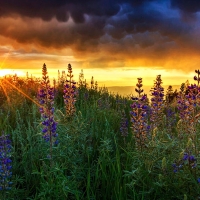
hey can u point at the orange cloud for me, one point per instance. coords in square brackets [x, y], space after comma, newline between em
[138, 35]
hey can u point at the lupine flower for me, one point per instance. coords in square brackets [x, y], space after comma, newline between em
[70, 93]
[85, 84]
[96, 85]
[182, 107]
[46, 100]
[176, 167]
[170, 119]
[139, 121]
[5, 163]
[49, 129]
[139, 85]
[157, 103]
[188, 160]
[92, 83]
[170, 95]
[81, 79]
[193, 97]
[197, 78]
[182, 88]
[198, 180]
[187, 104]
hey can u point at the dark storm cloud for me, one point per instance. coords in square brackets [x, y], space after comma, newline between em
[61, 9]
[186, 5]
[45, 9]
[51, 34]
[148, 20]
[129, 28]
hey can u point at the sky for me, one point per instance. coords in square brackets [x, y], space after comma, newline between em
[115, 41]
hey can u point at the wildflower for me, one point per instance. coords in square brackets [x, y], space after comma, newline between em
[46, 100]
[5, 163]
[96, 86]
[170, 95]
[170, 119]
[182, 108]
[157, 102]
[197, 78]
[187, 104]
[139, 121]
[70, 93]
[176, 167]
[189, 159]
[139, 85]
[81, 79]
[198, 180]
[92, 83]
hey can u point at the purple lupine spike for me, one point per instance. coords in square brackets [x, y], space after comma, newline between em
[187, 103]
[139, 121]
[139, 85]
[157, 103]
[70, 93]
[197, 78]
[5, 162]
[46, 100]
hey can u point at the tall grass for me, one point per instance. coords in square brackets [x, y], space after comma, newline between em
[93, 159]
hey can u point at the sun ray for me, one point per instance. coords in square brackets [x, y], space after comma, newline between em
[4, 90]
[4, 60]
[20, 91]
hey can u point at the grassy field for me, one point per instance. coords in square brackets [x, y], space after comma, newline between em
[74, 140]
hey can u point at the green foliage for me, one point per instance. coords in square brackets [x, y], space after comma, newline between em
[92, 160]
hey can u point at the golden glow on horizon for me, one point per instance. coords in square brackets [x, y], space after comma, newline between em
[126, 76]
[5, 72]
[113, 76]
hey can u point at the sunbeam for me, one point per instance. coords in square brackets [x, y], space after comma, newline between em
[4, 60]
[20, 91]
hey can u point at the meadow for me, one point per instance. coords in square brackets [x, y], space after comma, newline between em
[73, 140]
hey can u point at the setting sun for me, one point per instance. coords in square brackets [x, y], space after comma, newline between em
[6, 72]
